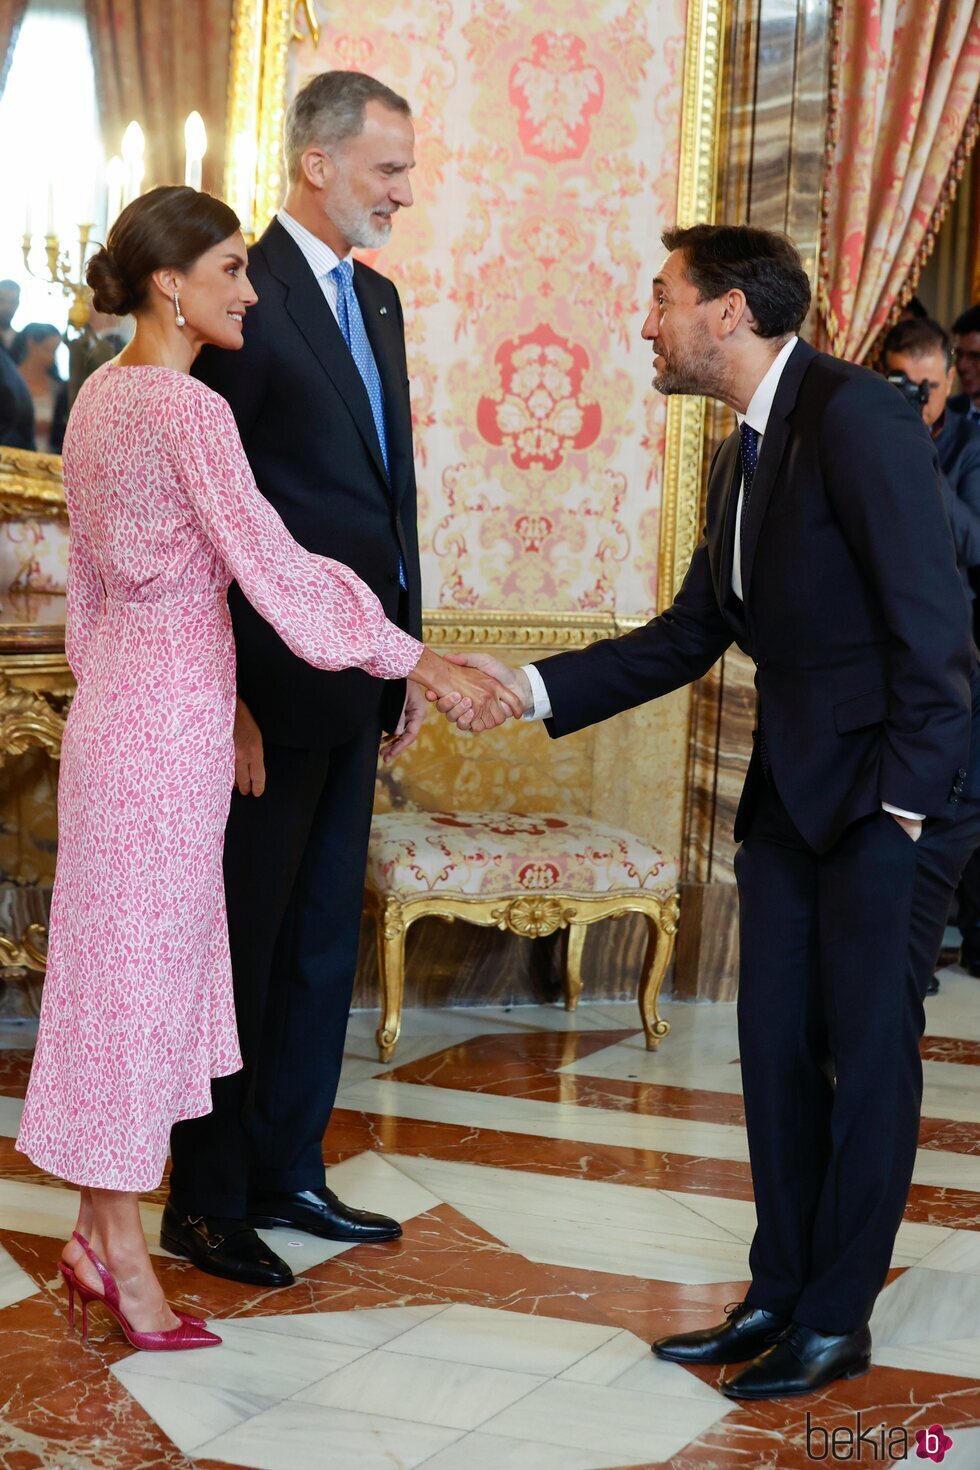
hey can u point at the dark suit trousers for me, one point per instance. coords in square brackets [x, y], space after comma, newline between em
[294, 880]
[836, 952]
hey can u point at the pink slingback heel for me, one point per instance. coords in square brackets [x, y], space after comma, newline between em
[191, 1333]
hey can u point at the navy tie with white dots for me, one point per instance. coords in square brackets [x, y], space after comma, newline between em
[749, 446]
[351, 324]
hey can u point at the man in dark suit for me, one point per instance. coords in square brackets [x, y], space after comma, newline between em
[828, 558]
[321, 396]
[16, 406]
[966, 355]
[919, 351]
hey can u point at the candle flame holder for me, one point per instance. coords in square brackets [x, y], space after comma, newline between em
[60, 273]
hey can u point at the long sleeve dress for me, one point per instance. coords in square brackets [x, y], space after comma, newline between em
[137, 1012]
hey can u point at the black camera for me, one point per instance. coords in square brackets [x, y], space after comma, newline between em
[916, 394]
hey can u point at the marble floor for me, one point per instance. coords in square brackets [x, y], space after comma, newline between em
[565, 1196]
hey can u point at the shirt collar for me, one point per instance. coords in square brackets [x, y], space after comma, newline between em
[760, 405]
[320, 258]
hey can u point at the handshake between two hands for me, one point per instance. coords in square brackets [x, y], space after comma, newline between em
[474, 691]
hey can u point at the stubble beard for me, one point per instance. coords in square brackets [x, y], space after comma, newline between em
[696, 369]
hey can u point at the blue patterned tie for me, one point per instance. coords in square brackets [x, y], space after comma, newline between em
[351, 324]
[749, 445]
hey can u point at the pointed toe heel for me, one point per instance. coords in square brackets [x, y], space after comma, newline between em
[191, 1333]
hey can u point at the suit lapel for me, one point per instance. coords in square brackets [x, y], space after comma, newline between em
[306, 305]
[721, 537]
[774, 442]
[382, 327]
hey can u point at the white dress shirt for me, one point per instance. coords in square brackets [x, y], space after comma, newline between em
[318, 256]
[757, 417]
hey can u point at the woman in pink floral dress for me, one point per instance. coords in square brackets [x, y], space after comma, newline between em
[138, 1013]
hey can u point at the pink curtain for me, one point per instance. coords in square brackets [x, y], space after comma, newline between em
[156, 63]
[11, 15]
[904, 117]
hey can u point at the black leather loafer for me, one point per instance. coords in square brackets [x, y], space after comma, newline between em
[228, 1248]
[747, 1332]
[802, 1361]
[320, 1212]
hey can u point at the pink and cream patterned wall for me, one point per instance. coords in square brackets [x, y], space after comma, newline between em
[548, 141]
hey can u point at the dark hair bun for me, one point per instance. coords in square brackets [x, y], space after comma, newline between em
[111, 293]
[169, 226]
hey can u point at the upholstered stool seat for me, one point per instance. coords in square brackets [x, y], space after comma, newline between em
[529, 874]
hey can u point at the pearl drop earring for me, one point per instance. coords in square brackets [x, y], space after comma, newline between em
[181, 319]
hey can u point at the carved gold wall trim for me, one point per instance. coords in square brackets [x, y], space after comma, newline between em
[28, 718]
[697, 194]
[261, 34]
[30, 484]
[521, 629]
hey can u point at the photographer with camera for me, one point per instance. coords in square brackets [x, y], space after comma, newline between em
[918, 358]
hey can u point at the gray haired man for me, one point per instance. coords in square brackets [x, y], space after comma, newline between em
[320, 394]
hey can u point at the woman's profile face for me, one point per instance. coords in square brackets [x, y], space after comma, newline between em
[216, 293]
[41, 352]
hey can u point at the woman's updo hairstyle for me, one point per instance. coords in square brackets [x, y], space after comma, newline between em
[170, 226]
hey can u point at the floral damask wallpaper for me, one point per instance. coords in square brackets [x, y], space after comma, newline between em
[548, 141]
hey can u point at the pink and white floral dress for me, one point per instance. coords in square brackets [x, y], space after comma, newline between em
[137, 1014]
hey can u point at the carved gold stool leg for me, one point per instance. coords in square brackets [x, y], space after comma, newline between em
[573, 965]
[660, 947]
[391, 933]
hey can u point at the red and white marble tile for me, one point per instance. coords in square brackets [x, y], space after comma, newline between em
[565, 1197]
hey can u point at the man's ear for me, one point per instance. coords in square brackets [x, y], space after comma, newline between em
[734, 310]
[318, 168]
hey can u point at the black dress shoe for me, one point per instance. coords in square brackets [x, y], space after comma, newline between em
[802, 1361]
[747, 1332]
[320, 1212]
[933, 987]
[228, 1248]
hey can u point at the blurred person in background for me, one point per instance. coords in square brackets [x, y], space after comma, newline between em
[920, 352]
[34, 350]
[918, 356]
[9, 303]
[101, 340]
[16, 407]
[966, 357]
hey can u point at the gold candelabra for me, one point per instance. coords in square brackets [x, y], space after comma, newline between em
[60, 272]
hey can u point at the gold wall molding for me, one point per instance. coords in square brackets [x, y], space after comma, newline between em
[262, 31]
[697, 195]
[30, 484]
[537, 630]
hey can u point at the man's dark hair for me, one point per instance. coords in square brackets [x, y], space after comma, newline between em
[967, 321]
[917, 336]
[763, 265]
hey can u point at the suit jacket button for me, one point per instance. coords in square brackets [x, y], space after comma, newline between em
[961, 773]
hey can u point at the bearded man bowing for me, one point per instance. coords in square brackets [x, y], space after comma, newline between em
[828, 559]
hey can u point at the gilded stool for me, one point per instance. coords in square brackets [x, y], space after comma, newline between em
[529, 874]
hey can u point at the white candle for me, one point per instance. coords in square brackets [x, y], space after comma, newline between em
[195, 147]
[244, 201]
[51, 225]
[133, 147]
[115, 182]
